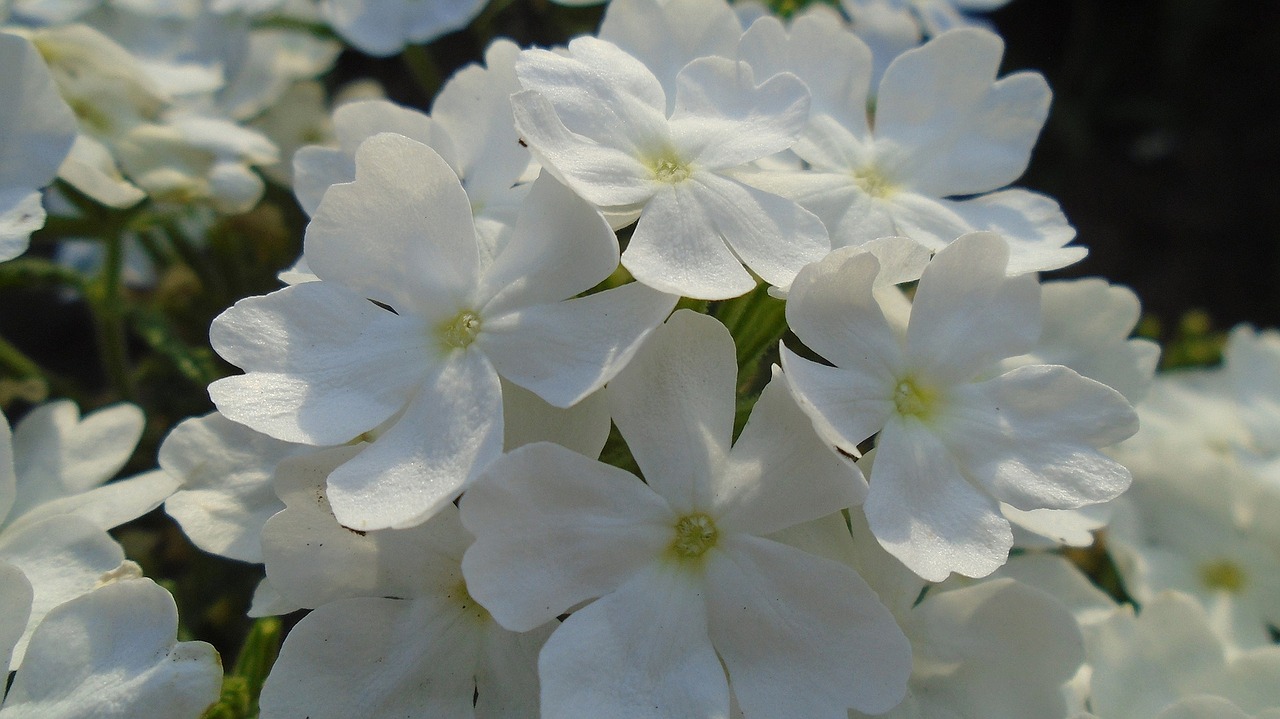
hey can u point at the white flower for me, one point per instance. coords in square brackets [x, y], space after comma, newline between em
[114, 654]
[196, 158]
[995, 649]
[225, 472]
[395, 631]
[686, 578]
[36, 132]
[53, 513]
[666, 35]
[406, 334]
[384, 27]
[942, 127]
[472, 128]
[15, 609]
[597, 118]
[1168, 657]
[1160, 541]
[1086, 325]
[932, 16]
[956, 437]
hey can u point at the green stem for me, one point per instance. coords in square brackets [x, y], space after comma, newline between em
[756, 321]
[17, 361]
[26, 272]
[107, 303]
[424, 68]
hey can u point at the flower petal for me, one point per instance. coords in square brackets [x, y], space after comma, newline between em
[1032, 224]
[114, 654]
[448, 432]
[553, 529]
[63, 557]
[779, 472]
[323, 364]
[676, 248]
[666, 35]
[722, 119]
[1031, 436]
[564, 351]
[815, 43]
[402, 233]
[15, 608]
[924, 512]
[802, 635]
[830, 307]
[311, 559]
[507, 678]
[967, 132]
[772, 235]
[641, 651]
[376, 658]
[846, 407]
[674, 406]
[527, 418]
[62, 453]
[225, 470]
[561, 247]
[967, 314]
[604, 175]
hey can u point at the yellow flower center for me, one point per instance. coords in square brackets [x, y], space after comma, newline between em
[912, 400]
[873, 182]
[670, 170]
[695, 534]
[1224, 575]
[461, 331]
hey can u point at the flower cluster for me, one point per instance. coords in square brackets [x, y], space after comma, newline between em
[700, 367]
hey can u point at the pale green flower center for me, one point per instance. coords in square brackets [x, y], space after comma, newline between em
[695, 534]
[873, 182]
[670, 170]
[1224, 575]
[461, 331]
[913, 400]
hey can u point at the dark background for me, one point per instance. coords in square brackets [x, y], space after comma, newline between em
[1162, 144]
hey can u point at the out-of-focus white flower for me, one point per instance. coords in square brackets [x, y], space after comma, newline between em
[597, 119]
[384, 27]
[191, 158]
[395, 630]
[921, 18]
[106, 86]
[36, 132]
[685, 577]
[996, 649]
[1166, 662]
[943, 126]
[1163, 542]
[298, 119]
[957, 435]
[113, 654]
[433, 330]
